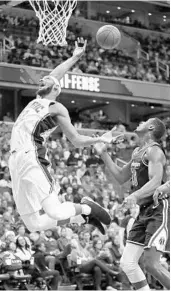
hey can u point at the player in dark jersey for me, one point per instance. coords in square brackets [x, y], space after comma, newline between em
[149, 233]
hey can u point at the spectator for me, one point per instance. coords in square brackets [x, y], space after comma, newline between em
[34, 237]
[77, 70]
[8, 117]
[86, 239]
[10, 236]
[23, 249]
[10, 250]
[44, 270]
[62, 242]
[150, 76]
[88, 265]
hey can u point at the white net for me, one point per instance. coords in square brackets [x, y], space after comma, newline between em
[53, 18]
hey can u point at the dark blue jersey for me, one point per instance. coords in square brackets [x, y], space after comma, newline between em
[139, 169]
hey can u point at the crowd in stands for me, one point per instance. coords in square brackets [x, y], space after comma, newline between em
[128, 21]
[80, 172]
[155, 47]
[116, 62]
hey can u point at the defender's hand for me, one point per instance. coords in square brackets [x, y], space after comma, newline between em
[130, 201]
[162, 192]
[80, 47]
[113, 137]
[100, 148]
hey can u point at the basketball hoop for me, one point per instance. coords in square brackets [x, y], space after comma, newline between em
[53, 18]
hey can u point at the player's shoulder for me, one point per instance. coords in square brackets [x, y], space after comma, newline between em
[57, 108]
[42, 101]
[155, 148]
[155, 152]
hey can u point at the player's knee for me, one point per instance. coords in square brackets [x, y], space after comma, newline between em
[54, 214]
[127, 266]
[123, 264]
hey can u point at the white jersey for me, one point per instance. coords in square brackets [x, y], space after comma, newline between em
[33, 126]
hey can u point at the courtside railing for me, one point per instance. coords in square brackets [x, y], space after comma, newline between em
[159, 65]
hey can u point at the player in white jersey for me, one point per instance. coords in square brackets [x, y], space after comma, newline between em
[32, 185]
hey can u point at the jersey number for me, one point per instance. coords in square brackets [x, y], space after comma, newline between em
[37, 106]
[134, 177]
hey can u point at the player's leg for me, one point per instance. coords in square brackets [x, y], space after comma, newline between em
[37, 222]
[132, 253]
[31, 184]
[47, 192]
[155, 243]
[129, 264]
[62, 211]
[35, 189]
[67, 210]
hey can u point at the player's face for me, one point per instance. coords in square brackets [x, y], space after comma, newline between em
[46, 81]
[145, 126]
[141, 127]
[47, 86]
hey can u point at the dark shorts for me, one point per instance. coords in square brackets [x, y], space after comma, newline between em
[151, 228]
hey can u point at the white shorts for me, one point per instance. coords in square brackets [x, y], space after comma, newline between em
[31, 182]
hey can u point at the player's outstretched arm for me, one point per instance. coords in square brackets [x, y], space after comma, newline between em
[62, 69]
[69, 130]
[122, 175]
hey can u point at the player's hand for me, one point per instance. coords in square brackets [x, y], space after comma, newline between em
[129, 202]
[106, 137]
[100, 147]
[118, 139]
[80, 47]
[109, 138]
[161, 192]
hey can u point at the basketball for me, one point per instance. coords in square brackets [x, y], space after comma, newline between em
[108, 37]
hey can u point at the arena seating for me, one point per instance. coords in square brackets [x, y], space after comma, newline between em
[22, 34]
[127, 21]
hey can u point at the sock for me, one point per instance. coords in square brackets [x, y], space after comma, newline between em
[86, 209]
[145, 288]
[141, 286]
